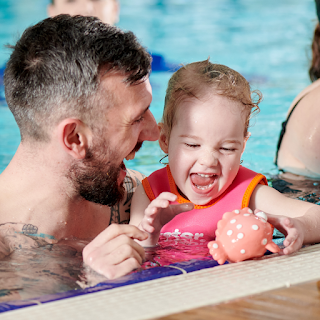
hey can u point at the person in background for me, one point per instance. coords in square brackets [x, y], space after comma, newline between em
[204, 133]
[298, 152]
[106, 10]
[80, 94]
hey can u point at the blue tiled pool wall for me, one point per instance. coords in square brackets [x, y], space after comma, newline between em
[142, 276]
[135, 277]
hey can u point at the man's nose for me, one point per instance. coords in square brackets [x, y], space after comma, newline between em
[150, 130]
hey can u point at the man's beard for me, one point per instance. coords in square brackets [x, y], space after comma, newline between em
[96, 180]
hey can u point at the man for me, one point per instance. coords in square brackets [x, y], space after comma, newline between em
[79, 91]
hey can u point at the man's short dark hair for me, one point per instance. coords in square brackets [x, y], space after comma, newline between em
[54, 70]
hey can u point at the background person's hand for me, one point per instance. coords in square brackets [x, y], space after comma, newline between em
[114, 253]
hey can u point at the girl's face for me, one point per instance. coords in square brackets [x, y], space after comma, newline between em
[205, 146]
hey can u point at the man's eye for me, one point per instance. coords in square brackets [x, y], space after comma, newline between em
[139, 120]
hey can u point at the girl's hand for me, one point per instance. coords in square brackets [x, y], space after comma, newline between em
[160, 211]
[292, 228]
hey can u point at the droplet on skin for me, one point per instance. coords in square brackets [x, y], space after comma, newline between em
[215, 246]
[233, 221]
[250, 210]
[233, 240]
[229, 233]
[243, 251]
[240, 235]
[255, 227]
[264, 241]
[246, 215]
[239, 226]
[236, 211]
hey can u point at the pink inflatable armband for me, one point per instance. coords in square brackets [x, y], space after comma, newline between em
[242, 235]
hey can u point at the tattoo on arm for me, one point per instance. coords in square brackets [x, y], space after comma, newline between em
[115, 214]
[131, 182]
[18, 235]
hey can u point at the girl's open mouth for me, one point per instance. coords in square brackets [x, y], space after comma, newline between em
[203, 182]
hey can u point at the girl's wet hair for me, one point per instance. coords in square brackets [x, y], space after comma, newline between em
[198, 79]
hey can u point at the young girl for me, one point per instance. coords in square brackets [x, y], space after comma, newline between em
[204, 133]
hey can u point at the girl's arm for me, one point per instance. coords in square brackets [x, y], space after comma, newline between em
[152, 216]
[297, 219]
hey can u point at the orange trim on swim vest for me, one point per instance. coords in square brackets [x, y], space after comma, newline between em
[148, 189]
[180, 199]
[259, 178]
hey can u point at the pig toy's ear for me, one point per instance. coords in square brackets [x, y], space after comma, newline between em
[217, 252]
[271, 246]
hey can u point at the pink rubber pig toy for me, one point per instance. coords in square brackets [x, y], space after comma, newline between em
[242, 235]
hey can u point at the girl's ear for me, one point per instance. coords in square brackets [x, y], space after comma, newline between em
[163, 140]
[245, 141]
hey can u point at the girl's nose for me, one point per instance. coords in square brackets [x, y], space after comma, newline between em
[208, 158]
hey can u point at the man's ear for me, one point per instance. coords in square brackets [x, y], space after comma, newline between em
[74, 137]
[163, 140]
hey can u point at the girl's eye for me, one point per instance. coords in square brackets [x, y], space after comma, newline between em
[228, 149]
[192, 145]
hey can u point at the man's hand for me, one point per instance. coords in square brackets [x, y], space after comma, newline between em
[160, 211]
[114, 253]
[292, 228]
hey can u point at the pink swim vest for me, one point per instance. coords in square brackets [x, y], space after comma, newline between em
[201, 222]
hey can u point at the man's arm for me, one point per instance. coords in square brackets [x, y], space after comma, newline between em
[114, 253]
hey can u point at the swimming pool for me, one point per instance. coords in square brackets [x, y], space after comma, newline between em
[267, 41]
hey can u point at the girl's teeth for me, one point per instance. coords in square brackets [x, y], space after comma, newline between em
[205, 175]
[204, 187]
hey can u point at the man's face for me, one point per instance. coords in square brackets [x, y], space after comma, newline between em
[95, 178]
[123, 127]
[106, 10]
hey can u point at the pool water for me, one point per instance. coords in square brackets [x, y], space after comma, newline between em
[267, 41]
